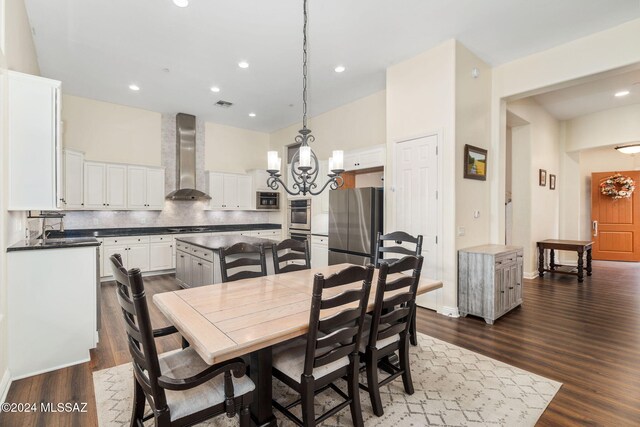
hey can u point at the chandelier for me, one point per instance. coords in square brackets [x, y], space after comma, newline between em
[304, 164]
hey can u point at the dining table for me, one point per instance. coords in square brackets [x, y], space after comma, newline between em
[247, 317]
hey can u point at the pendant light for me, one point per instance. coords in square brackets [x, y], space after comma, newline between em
[304, 164]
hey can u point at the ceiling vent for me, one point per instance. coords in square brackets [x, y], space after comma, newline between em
[224, 104]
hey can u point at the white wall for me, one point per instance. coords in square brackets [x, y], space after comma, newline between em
[230, 149]
[561, 65]
[421, 101]
[473, 127]
[110, 132]
[542, 152]
[20, 51]
[603, 128]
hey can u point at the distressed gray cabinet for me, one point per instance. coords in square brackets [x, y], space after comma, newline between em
[489, 280]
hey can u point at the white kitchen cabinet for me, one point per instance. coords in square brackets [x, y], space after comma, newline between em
[138, 256]
[105, 186]
[275, 235]
[134, 251]
[244, 192]
[52, 318]
[365, 158]
[34, 139]
[192, 270]
[145, 188]
[319, 251]
[73, 179]
[108, 251]
[160, 256]
[229, 191]
[183, 268]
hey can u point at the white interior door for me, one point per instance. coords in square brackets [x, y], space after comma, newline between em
[416, 182]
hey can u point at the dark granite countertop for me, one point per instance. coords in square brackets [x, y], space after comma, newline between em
[144, 231]
[216, 242]
[27, 245]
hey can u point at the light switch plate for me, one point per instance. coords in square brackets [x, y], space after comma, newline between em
[461, 231]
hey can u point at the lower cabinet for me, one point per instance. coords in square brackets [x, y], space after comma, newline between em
[192, 270]
[161, 255]
[319, 251]
[489, 280]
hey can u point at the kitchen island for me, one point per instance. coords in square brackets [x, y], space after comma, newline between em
[198, 258]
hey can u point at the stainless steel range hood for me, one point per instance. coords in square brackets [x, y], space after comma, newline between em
[186, 160]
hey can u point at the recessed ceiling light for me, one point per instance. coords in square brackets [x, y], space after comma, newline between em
[622, 93]
[243, 64]
[339, 69]
[134, 87]
[215, 89]
[181, 3]
[252, 114]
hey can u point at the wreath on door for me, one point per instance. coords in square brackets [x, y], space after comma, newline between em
[617, 186]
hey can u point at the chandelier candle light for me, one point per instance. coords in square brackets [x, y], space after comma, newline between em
[304, 164]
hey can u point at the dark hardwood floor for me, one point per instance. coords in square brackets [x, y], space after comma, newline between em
[586, 336]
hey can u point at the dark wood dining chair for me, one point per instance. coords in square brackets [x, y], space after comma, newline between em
[181, 389]
[291, 250]
[388, 328]
[396, 240]
[242, 255]
[330, 350]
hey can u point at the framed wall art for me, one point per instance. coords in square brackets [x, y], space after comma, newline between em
[475, 163]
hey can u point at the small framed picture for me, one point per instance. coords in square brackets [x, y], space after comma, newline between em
[542, 178]
[475, 163]
[552, 182]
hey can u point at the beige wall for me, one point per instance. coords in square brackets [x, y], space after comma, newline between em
[19, 48]
[614, 126]
[110, 132]
[230, 149]
[361, 123]
[421, 101]
[561, 65]
[542, 151]
[473, 127]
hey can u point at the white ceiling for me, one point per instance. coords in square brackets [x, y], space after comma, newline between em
[97, 48]
[593, 96]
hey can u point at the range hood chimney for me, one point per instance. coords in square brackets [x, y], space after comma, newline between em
[186, 160]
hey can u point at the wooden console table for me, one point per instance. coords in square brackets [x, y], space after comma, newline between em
[579, 246]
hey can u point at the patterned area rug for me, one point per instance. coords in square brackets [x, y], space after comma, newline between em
[453, 387]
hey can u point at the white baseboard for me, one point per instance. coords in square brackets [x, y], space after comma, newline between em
[145, 274]
[530, 274]
[53, 368]
[449, 311]
[5, 383]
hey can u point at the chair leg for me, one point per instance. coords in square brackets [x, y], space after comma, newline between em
[354, 392]
[412, 329]
[308, 397]
[405, 365]
[372, 382]
[245, 417]
[137, 412]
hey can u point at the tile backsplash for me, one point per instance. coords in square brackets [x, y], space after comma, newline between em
[175, 213]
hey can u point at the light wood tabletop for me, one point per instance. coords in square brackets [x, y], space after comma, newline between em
[227, 320]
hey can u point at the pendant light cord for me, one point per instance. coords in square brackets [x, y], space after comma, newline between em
[304, 68]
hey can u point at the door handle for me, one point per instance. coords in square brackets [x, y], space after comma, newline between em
[594, 226]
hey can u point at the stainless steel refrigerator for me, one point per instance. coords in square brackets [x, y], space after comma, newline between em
[355, 217]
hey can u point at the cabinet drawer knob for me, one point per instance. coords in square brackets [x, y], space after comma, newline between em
[502, 292]
[510, 287]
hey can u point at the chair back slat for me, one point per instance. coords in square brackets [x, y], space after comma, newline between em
[329, 323]
[243, 255]
[336, 337]
[343, 298]
[397, 238]
[333, 355]
[340, 330]
[133, 302]
[291, 250]
[395, 300]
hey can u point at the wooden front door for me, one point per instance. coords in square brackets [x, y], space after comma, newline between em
[615, 227]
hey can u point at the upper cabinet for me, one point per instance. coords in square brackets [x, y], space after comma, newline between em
[145, 188]
[365, 158]
[35, 154]
[73, 179]
[105, 186]
[229, 191]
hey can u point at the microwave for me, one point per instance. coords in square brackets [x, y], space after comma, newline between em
[266, 200]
